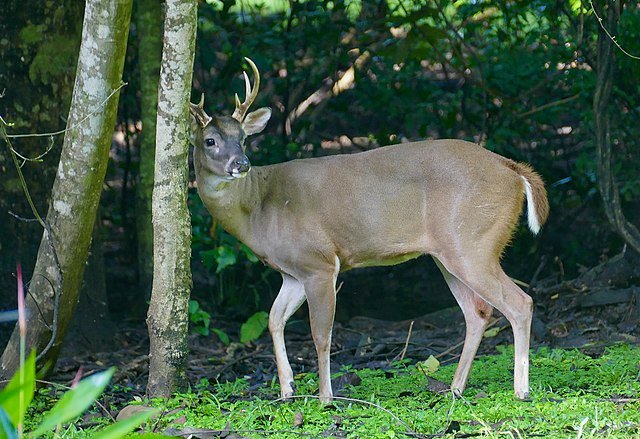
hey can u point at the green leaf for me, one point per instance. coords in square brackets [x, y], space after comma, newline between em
[202, 330]
[75, 401]
[193, 306]
[11, 395]
[225, 257]
[253, 328]
[248, 254]
[224, 338]
[430, 365]
[120, 428]
[492, 332]
[7, 430]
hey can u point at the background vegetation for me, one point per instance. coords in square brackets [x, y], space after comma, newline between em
[342, 76]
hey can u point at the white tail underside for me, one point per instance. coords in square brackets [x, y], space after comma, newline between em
[532, 216]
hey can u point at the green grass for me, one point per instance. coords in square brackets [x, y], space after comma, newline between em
[573, 395]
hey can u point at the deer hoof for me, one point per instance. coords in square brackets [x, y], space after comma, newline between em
[287, 394]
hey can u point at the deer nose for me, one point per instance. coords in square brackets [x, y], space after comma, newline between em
[243, 164]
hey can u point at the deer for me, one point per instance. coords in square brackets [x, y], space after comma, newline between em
[311, 219]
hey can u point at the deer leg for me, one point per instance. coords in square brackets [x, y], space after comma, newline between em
[477, 313]
[495, 287]
[289, 299]
[321, 297]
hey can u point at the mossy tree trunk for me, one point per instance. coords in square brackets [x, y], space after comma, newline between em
[168, 313]
[604, 83]
[77, 186]
[149, 26]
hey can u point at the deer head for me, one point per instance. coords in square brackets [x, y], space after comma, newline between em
[219, 140]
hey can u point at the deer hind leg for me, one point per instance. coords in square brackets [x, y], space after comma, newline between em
[477, 313]
[487, 279]
[289, 299]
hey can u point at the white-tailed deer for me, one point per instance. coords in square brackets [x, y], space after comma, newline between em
[314, 218]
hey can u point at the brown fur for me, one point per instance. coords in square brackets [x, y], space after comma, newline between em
[537, 188]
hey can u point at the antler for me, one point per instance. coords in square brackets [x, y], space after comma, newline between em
[198, 112]
[250, 93]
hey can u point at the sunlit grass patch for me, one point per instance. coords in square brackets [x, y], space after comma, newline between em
[572, 394]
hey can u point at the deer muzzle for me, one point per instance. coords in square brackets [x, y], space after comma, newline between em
[238, 166]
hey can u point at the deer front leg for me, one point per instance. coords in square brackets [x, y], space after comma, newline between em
[321, 296]
[289, 299]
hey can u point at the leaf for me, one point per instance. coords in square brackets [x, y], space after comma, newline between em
[248, 254]
[7, 430]
[492, 332]
[208, 258]
[224, 338]
[75, 401]
[120, 428]
[193, 306]
[225, 257]
[253, 328]
[430, 365]
[10, 396]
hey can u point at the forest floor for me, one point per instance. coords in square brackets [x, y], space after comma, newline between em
[585, 375]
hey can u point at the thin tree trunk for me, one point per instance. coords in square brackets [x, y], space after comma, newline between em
[76, 190]
[604, 83]
[149, 25]
[168, 313]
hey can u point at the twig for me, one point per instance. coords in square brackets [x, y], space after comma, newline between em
[611, 37]
[406, 343]
[57, 133]
[548, 105]
[534, 278]
[47, 228]
[236, 361]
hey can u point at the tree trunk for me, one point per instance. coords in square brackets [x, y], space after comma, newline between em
[149, 25]
[604, 83]
[76, 191]
[168, 313]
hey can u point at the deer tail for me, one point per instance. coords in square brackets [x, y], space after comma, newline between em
[537, 202]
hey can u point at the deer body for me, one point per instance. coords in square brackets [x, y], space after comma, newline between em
[379, 207]
[311, 219]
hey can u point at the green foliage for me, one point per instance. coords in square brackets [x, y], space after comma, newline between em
[516, 76]
[199, 318]
[253, 328]
[572, 394]
[17, 396]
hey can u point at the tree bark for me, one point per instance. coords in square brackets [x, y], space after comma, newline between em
[149, 25]
[77, 186]
[168, 316]
[604, 83]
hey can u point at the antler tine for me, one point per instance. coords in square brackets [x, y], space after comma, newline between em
[197, 110]
[250, 92]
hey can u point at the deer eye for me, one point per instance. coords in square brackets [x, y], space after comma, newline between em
[210, 142]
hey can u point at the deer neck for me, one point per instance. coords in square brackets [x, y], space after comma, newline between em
[230, 202]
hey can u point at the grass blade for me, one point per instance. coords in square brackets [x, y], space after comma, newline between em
[7, 430]
[16, 397]
[75, 401]
[120, 428]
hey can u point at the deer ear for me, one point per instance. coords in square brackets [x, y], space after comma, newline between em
[255, 121]
[194, 127]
